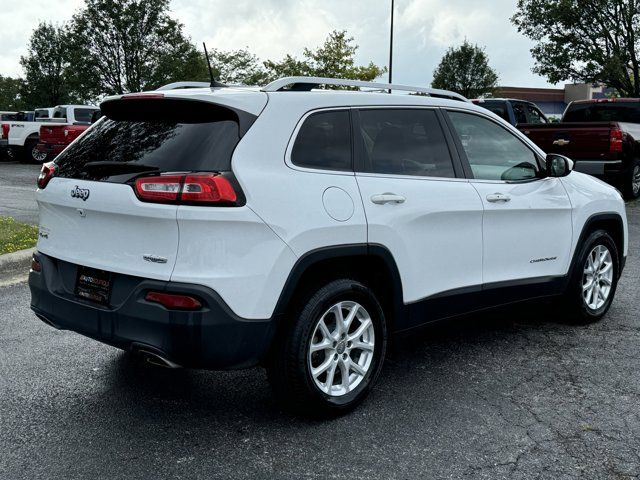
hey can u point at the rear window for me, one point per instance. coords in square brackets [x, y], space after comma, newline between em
[172, 139]
[603, 112]
[83, 114]
[499, 108]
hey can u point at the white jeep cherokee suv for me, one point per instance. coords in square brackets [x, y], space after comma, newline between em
[297, 228]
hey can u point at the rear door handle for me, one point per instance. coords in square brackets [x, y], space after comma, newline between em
[498, 197]
[384, 198]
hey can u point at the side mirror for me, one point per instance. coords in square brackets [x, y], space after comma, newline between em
[558, 165]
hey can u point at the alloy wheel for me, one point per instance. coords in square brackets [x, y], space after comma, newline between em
[37, 155]
[597, 278]
[341, 348]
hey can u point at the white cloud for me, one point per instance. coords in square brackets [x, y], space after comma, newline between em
[272, 28]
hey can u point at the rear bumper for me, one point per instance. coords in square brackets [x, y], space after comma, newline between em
[600, 168]
[211, 338]
[4, 145]
[51, 148]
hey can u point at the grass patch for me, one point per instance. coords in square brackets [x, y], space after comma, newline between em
[16, 236]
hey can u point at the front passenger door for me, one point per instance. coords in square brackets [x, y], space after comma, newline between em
[527, 227]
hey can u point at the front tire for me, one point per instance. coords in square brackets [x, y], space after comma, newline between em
[593, 282]
[331, 350]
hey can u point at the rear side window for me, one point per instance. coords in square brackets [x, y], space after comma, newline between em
[59, 112]
[519, 113]
[404, 142]
[83, 114]
[167, 137]
[499, 108]
[324, 142]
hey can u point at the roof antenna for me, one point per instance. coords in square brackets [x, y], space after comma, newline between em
[214, 83]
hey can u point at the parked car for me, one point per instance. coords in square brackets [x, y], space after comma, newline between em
[516, 112]
[6, 118]
[55, 138]
[297, 229]
[24, 136]
[602, 137]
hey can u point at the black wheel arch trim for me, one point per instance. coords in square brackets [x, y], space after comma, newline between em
[588, 227]
[340, 251]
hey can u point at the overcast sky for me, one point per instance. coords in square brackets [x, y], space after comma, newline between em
[272, 28]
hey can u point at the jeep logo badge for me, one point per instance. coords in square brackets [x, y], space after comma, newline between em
[82, 193]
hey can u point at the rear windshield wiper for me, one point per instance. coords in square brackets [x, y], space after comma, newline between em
[117, 167]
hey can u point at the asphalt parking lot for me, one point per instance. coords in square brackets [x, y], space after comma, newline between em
[17, 187]
[512, 394]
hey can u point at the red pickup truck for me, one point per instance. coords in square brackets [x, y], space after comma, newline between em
[55, 138]
[602, 137]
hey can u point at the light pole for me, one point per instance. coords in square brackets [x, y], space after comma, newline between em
[391, 46]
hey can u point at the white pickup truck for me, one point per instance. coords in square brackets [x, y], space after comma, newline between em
[23, 137]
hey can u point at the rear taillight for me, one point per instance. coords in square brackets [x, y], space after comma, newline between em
[198, 189]
[615, 140]
[174, 301]
[35, 265]
[4, 132]
[71, 132]
[46, 174]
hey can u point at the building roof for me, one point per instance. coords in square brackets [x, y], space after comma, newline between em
[532, 94]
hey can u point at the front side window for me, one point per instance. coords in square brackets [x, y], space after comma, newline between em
[535, 115]
[324, 141]
[493, 152]
[404, 142]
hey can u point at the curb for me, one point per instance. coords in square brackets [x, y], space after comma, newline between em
[14, 267]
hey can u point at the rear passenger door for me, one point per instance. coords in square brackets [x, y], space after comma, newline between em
[418, 204]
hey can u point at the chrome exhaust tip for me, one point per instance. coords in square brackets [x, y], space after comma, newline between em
[156, 359]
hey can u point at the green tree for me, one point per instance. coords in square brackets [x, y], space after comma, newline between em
[10, 94]
[333, 59]
[130, 45]
[584, 40]
[46, 67]
[465, 70]
[239, 67]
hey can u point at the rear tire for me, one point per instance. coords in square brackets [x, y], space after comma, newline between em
[330, 351]
[31, 154]
[631, 187]
[593, 283]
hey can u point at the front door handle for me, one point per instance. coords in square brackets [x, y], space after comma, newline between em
[384, 198]
[498, 198]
